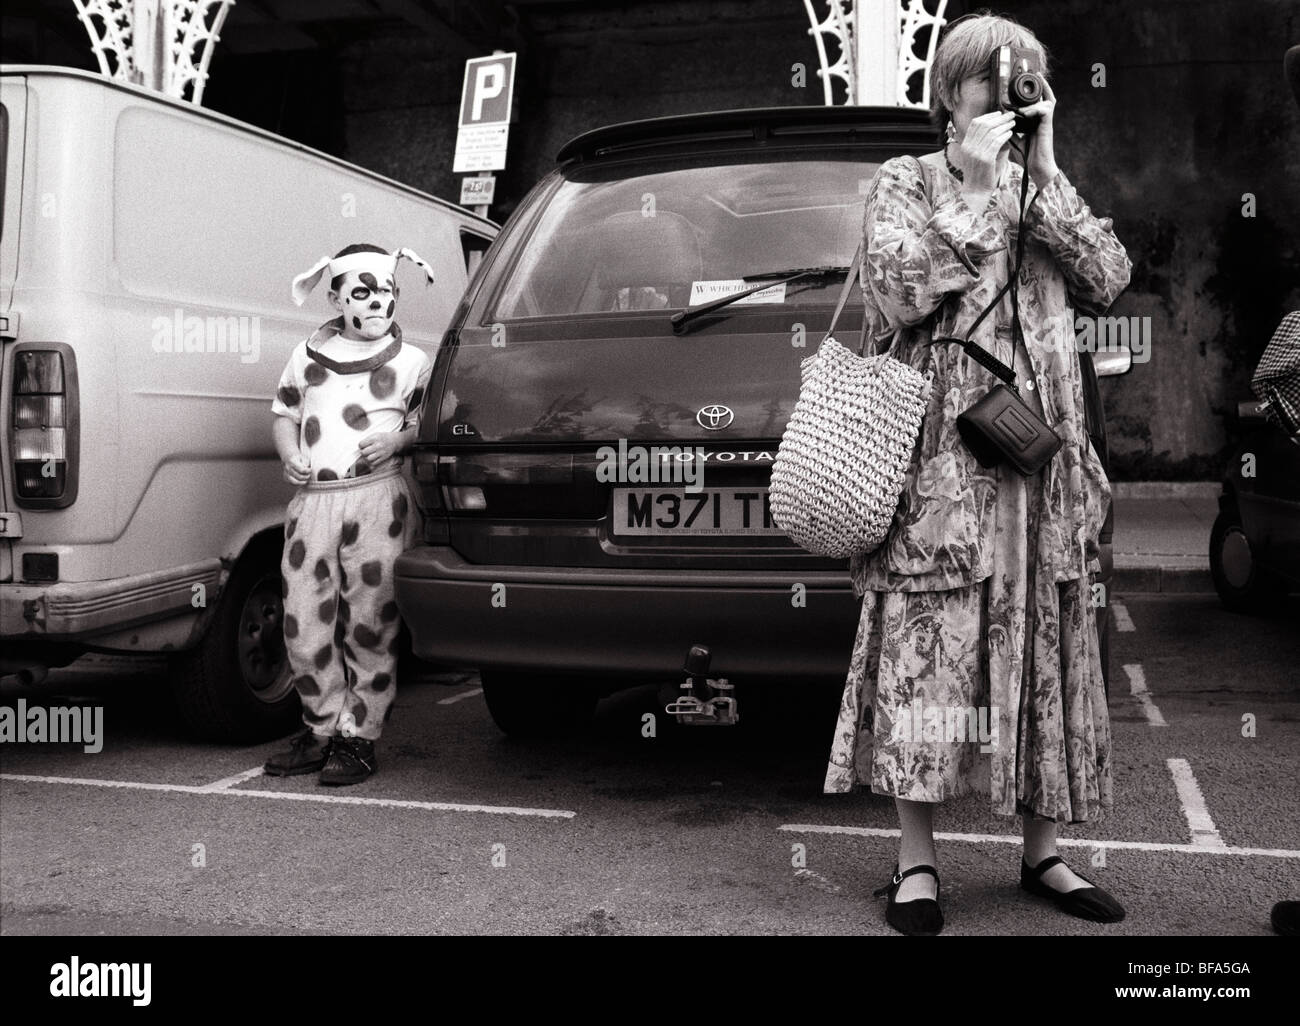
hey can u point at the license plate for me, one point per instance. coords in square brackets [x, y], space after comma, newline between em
[658, 511]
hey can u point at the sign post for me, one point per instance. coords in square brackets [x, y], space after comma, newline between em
[484, 126]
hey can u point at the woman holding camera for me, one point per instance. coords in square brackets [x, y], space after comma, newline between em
[977, 609]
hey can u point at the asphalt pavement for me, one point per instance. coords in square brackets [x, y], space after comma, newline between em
[718, 831]
[691, 831]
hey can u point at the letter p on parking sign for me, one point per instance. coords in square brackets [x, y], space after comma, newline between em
[485, 113]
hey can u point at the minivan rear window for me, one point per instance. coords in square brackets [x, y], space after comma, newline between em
[640, 237]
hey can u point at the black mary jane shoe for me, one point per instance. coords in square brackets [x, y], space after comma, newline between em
[921, 917]
[1085, 902]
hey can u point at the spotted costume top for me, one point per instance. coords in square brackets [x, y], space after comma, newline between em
[338, 391]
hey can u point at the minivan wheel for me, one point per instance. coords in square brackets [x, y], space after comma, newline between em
[236, 685]
[531, 705]
[1243, 585]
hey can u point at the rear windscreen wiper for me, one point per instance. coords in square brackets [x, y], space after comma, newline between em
[683, 317]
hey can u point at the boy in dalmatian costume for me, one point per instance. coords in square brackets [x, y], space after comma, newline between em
[347, 407]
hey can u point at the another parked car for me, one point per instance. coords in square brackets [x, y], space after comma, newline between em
[559, 584]
[1255, 541]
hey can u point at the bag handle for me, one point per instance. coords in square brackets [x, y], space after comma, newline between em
[850, 280]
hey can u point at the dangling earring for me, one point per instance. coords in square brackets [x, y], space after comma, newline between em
[950, 133]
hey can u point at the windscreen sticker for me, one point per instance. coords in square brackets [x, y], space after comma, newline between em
[707, 291]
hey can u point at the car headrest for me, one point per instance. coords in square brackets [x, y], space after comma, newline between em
[632, 249]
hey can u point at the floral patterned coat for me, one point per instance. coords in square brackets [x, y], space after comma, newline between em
[931, 265]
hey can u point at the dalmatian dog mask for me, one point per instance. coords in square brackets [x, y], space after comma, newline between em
[366, 297]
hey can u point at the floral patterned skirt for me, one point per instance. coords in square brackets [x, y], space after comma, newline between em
[994, 688]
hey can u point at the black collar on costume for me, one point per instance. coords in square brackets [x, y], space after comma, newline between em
[370, 363]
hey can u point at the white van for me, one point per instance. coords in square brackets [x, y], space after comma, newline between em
[146, 251]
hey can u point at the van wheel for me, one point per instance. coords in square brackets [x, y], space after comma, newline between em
[1243, 585]
[236, 684]
[530, 705]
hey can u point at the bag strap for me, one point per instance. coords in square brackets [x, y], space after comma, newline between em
[850, 280]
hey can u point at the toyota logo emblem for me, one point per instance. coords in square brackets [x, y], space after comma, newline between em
[715, 418]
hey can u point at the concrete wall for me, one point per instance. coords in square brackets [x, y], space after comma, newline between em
[1195, 114]
[579, 69]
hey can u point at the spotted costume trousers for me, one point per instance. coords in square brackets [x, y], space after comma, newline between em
[341, 539]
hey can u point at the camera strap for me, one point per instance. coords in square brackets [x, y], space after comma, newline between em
[977, 352]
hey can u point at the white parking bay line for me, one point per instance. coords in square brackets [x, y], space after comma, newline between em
[1067, 842]
[1137, 683]
[289, 796]
[1204, 833]
[1123, 622]
[238, 778]
[457, 698]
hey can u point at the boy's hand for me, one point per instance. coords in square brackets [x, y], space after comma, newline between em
[380, 447]
[297, 470]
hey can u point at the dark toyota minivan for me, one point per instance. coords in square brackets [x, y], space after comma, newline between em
[559, 584]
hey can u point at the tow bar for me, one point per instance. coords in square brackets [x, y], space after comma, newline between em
[704, 701]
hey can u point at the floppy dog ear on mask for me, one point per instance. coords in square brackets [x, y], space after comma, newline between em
[305, 282]
[414, 257]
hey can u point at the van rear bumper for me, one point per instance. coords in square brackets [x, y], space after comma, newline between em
[624, 623]
[77, 609]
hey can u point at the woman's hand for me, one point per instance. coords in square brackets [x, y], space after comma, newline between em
[1042, 158]
[984, 141]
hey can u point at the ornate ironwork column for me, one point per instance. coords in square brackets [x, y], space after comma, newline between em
[161, 44]
[873, 49]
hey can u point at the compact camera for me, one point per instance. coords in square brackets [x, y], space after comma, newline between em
[1016, 75]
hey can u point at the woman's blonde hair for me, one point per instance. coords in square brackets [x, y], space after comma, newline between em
[966, 46]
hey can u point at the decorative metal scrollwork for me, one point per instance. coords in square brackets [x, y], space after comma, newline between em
[838, 32]
[161, 44]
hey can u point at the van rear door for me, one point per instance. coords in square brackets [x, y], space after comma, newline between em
[13, 129]
[13, 123]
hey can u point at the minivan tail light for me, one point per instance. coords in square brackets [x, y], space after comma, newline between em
[424, 468]
[528, 484]
[508, 468]
[44, 444]
[465, 497]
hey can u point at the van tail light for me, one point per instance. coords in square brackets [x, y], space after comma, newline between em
[44, 443]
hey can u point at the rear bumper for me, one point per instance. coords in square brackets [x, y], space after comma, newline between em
[73, 610]
[625, 623]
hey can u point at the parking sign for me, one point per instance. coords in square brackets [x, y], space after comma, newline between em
[485, 113]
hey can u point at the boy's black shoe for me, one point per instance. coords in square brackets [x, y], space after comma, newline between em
[351, 760]
[308, 753]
